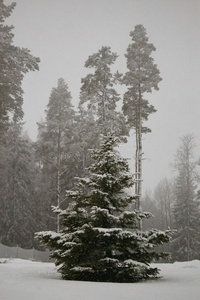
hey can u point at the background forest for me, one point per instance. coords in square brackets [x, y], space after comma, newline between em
[35, 175]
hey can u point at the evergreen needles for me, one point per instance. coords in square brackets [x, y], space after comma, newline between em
[100, 240]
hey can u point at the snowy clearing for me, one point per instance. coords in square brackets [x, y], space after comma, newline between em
[23, 279]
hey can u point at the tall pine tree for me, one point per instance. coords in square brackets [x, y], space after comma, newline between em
[98, 92]
[54, 144]
[142, 76]
[15, 62]
[99, 240]
[98, 113]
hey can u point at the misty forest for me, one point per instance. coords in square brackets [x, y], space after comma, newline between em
[71, 190]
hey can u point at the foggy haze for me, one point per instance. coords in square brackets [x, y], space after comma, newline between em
[64, 33]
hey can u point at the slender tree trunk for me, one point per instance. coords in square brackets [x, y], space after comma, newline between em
[188, 215]
[188, 204]
[136, 170]
[139, 156]
[58, 199]
[104, 110]
[58, 179]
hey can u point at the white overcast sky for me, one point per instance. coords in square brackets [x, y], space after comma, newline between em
[63, 33]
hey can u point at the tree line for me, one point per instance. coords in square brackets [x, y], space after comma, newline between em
[175, 202]
[35, 175]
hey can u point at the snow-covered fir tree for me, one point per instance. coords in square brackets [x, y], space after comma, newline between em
[99, 240]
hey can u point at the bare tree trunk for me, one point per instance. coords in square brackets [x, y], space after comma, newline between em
[58, 179]
[104, 110]
[136, 170]
[138, 157]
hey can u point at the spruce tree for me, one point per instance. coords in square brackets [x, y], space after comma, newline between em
[99, 240]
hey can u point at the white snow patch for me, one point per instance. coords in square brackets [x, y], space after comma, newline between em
[22, 279]
[82, 269]
[134, 262]
[53, 234]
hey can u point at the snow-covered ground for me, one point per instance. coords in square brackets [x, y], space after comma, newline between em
[27, 280]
